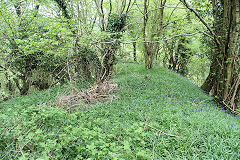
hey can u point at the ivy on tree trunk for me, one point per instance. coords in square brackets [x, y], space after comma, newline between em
[223, 80]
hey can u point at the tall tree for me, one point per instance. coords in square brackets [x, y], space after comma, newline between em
[113, 24]
[223, 80]
[150, 43]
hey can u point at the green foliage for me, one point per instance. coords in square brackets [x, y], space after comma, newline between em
[40, 48]
[32, 127]
[198, 69]
[43, 43]
[116, 23]
[33, 56]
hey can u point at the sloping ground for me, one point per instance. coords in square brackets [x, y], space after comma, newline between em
[32, 128]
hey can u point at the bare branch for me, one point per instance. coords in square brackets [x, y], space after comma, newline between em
[237, 84]
[110, 4]
[201, 19]
[171, 135]
[101, 6]
[100, 13]
[128, 6]
[178, 35]
[3, 67]
[172, 12]
[123, 6]
[166, 7]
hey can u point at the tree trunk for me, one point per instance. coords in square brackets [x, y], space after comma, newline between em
[85, 67]
[134, 51]
[211, 79]
[148, 59]
[171, 60]
[150, 48]
[108, 61]
[223, 79]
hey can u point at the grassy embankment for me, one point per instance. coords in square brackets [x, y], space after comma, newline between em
[32, 127]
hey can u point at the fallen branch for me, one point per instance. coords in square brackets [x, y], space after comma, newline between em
[99, 92]
[171, 135]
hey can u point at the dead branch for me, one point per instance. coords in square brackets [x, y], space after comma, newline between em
[100, 92]
[170, 135]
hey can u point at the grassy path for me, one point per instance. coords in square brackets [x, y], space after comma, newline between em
[31, 128]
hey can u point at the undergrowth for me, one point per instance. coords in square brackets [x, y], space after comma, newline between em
[33, 127]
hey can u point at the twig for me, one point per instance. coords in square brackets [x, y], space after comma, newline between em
[144, 129]
[228, 107]
[171, 135]
[20, 149]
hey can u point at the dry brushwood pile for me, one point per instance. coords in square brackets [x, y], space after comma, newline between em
[100, 92]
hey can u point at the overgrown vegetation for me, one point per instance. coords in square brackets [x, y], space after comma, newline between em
[100, 79]
[34, 127]
[56, 42]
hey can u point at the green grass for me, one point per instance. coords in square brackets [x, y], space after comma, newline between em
[33, 127]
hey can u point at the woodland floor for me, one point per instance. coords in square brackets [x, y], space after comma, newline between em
[153, 114]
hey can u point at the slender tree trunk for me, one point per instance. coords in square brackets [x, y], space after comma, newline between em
[134, 51]
[171, 59]
[150, 48]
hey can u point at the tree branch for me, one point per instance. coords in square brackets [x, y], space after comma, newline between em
[178, 35]
[171, 135]
[201, 19]
[62, 5]
[3, 67]
[172, 12]
[128, 7]
[110, 5]
[123, 6]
